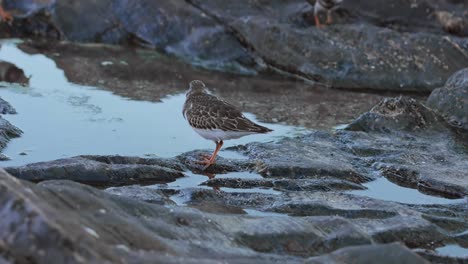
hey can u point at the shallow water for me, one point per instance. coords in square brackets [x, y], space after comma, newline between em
[61, 119]
[383, 189]
[453, 251]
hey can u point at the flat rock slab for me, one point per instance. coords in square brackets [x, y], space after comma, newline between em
[66, 222]
[99, 171]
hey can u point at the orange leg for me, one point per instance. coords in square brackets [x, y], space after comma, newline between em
[5, 15]
[211, 160]
[317, 21]
[329, 18]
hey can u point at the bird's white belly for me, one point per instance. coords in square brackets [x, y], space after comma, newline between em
[218, 134]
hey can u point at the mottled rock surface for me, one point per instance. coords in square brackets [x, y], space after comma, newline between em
[7, 132]
[75, 223]
[6, 107]
[399, 46]
[452, 100]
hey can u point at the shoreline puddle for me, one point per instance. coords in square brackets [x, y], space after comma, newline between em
[452, 250]
[383, 189]
[61, 119]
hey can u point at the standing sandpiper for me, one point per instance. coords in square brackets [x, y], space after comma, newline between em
[215, 119]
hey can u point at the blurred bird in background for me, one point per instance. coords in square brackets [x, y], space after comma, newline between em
[7, 17]
[324, 6]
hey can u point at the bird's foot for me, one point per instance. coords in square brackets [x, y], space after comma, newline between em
[317, 22]
[206, 162]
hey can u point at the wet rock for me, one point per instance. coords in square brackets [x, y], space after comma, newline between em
[62, 221]
[170, 26]
[12, 74]
[25, 8]
[375, 45]
[101, 171]
[320, 156]
[4, 157]
[6, 108]
[397, 114]
[322, 184]
[452, 100]
[383, 221]
[401, 15]
[344, 56]
[410, 145]
[7, 132]
[389, 253]
[77, 223]
[141, 193]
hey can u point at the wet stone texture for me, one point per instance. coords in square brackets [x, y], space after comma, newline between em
[76, 223]
[399, 46]
[299, 208]
[293, 200]
[7, 130]
[451, 100]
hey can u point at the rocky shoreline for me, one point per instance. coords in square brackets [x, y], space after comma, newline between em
[395, 75]
[299, 209]
[410, 46]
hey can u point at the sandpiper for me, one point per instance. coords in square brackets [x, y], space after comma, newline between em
[324, 5]
[215, 119]
[7, 17]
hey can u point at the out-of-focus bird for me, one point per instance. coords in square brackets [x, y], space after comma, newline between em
[215, 119]
[7, 17]
[322, 6]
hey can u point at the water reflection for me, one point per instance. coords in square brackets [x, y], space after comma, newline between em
[61, 119]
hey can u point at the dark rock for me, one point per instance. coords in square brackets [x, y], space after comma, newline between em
[397, 114]
[383, 221]
[101, 171]
[452, 100]
[4, 157]
[7, 132]
[389, 253]
[322, 184]
[410, 145]
[384, 46]
[170, 26]
[402, 15]
[141, 193]
[319, 156]
[344, 56]
[25, 8]
[6, 108]
[66, 222]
